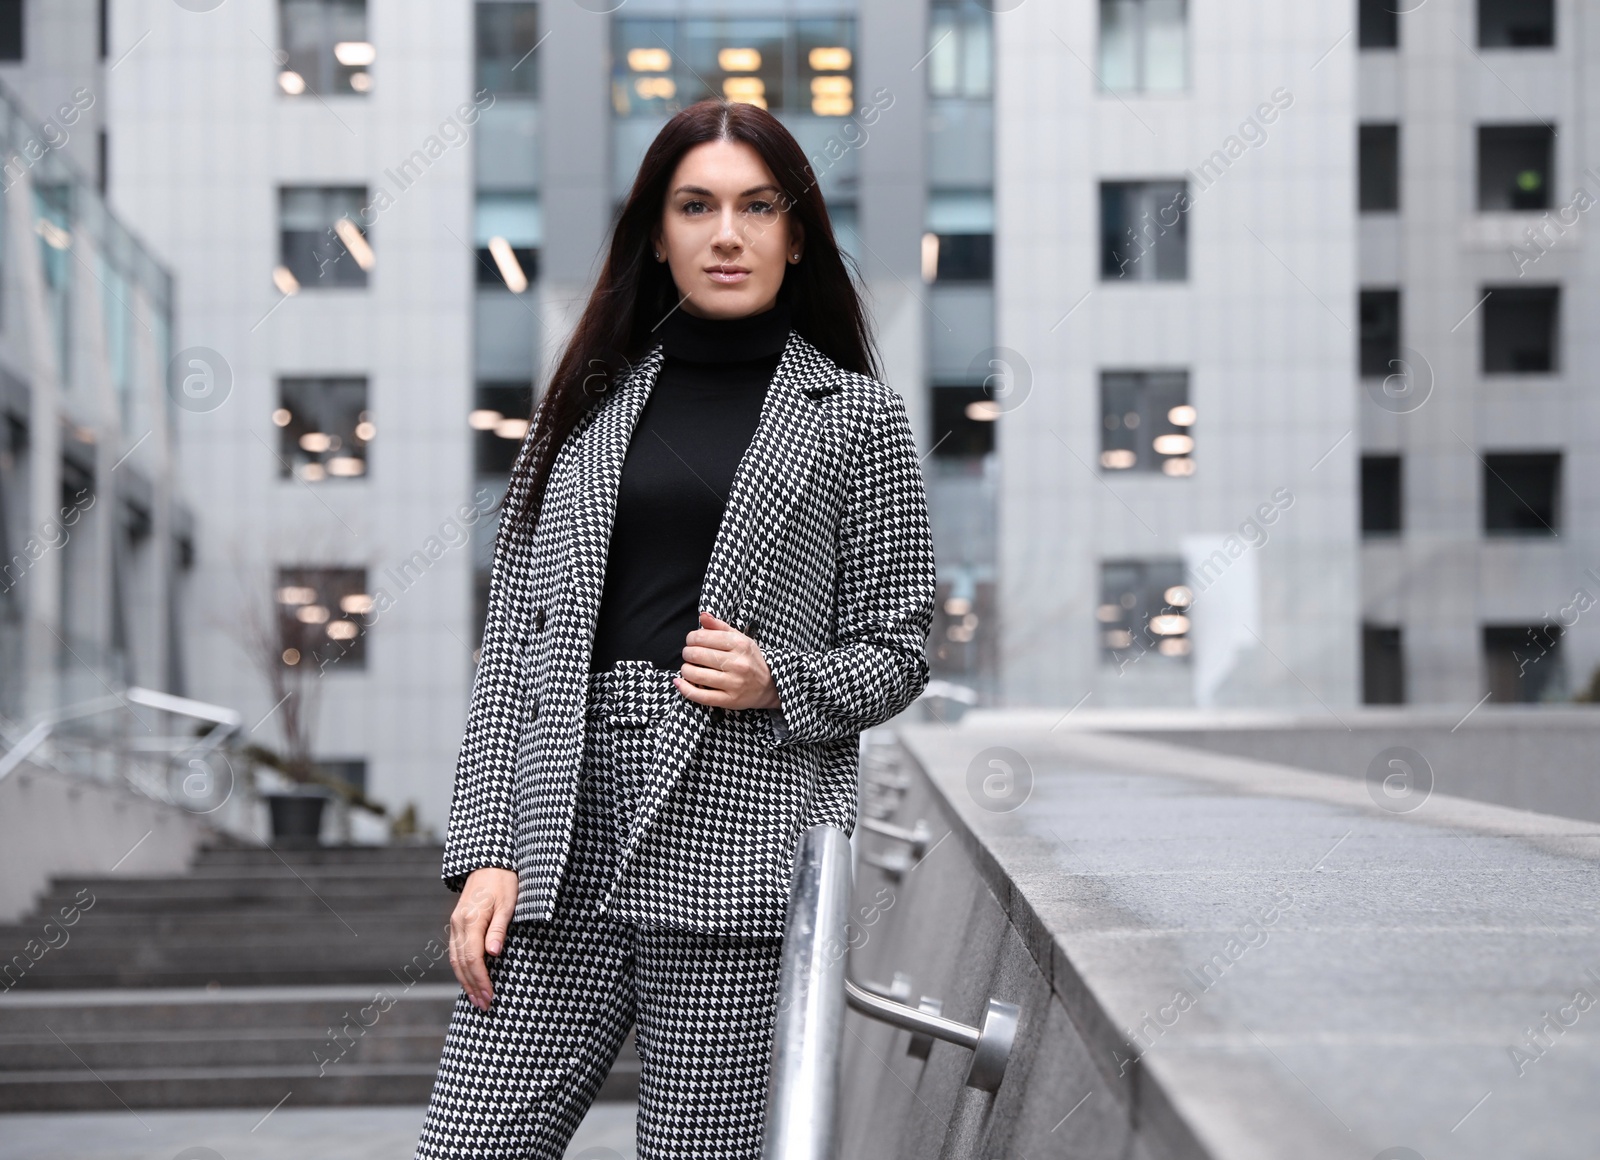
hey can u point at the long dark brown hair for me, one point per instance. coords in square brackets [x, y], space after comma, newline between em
[633, 293]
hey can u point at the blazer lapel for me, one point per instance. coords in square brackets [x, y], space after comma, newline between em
[596, 465]
[790, 433]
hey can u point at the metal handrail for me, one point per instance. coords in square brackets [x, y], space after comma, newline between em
[803, 1085]
[813, 989]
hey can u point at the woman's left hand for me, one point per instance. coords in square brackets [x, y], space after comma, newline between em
[725, 668]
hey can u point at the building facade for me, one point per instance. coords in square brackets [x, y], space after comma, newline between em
[1243, 341]
[95, 541]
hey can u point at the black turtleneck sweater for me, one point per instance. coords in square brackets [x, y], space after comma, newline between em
[682, 455]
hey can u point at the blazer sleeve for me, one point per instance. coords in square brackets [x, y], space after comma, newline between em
[481, 830]
[885, 584]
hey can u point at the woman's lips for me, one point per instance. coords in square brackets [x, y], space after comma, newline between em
[728, 277]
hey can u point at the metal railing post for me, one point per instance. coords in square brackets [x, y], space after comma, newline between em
[803, 1085]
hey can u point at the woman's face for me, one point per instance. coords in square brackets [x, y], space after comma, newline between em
[724, 232]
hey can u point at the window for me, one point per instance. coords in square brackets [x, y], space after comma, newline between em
[1380, 25]
[321, 242]
[961, 50]
[1383, 675]
[1145, 422]
[963, 421]
[1514, 168]
[507, 233]
[325, 47]
[319, 616]
[1144, 45]
[1516, 23]
[506, 34]
[1144, 231]
[501, 422]
[1381, 497]
[1523, 663]
[959, 243]
[1521, 330]
[1380, 168]
[1143, 609]
[11, 29]
[1522, 493]
[796, 66]
[325, 428]
[1380, 332]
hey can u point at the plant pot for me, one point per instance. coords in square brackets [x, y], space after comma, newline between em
[296, 817]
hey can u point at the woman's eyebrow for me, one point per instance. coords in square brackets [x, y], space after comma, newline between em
[703, 192]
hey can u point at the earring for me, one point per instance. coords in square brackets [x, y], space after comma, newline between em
[797, 257]
[658, 255]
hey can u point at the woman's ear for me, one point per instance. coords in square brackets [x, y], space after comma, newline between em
[797, 238]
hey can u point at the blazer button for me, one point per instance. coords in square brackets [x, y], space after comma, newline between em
[533, 708]
[538, 620]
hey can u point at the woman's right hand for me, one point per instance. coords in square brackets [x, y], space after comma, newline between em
[478, 925]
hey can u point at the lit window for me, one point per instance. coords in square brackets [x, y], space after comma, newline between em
[959, 243]
[1144, 45]
[1146, 422]
[796, 66]
[506, 236]
[500, 423]
[325, 48]
[324, 428]
[320, 616]
[1143, 611]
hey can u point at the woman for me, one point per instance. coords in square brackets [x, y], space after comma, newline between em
[713, 571]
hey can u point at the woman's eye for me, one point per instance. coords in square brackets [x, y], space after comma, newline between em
[689, 206]
[761, 206]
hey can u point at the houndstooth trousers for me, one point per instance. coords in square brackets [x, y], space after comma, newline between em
[515, 1081]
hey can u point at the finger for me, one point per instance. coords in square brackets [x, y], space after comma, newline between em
[495, 941]
[719, 639]
[703, 696]
[712, 622]
[710, 658]
[476, 921]
[708, 678]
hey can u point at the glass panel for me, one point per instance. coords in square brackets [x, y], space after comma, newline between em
[944, 60]
[512, 216]
[506, 36]
[977, 55]
[1166, 46]
[325, 428]
[1119, 40]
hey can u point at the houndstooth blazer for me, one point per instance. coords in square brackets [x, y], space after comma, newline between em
[824, 557]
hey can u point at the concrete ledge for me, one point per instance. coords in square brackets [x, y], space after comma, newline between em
[1528, 757]
[52, 824]
[1353, 979]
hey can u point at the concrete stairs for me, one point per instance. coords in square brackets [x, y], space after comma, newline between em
[316, 976]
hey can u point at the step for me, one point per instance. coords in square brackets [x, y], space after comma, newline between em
[193, 1047]
[320, 856]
